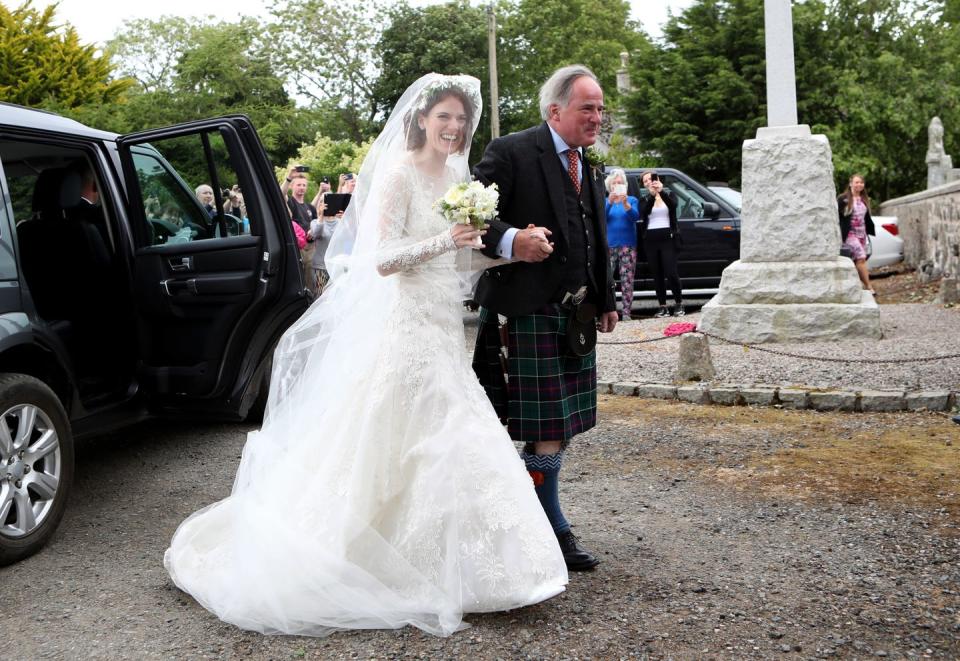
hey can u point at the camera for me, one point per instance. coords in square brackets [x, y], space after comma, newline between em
[348, 176]
[302, 168]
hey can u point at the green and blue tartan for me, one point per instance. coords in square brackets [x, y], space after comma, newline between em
[548, 393]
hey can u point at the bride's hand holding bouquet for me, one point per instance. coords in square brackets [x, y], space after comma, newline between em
[469, 205]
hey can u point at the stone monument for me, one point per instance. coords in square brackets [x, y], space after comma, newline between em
[790, 283]
[940, 168]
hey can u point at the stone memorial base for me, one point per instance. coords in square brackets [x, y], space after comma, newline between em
[790, 283]
[753, 323]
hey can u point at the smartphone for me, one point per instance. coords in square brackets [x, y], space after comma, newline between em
[654, 176]
[302, 168]
[348, 176]
[619, 189]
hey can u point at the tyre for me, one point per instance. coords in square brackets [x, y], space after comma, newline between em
[36, 465]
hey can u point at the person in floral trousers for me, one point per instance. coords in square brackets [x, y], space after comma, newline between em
[622, 215]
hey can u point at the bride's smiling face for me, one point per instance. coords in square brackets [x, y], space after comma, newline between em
[444, 125]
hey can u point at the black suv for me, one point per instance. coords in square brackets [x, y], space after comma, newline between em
[709, 225]
[123, 296]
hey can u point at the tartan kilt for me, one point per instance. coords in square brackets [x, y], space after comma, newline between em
[549, 394]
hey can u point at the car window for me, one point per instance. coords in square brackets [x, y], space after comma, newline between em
[189, 190]
[8, 267]
[729, 195]
[689, 201]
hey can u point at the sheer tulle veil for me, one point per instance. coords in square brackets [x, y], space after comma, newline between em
[330, 337]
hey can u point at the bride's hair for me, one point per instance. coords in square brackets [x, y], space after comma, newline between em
[429, 97]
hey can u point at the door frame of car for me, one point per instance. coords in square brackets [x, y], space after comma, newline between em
[249, 287]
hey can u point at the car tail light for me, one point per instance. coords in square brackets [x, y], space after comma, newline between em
[892, 228]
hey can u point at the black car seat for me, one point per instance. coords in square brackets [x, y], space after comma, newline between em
[63, 254]
[44, 248]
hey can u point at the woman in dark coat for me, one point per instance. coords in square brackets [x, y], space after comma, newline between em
[853, 208]
[660, 233]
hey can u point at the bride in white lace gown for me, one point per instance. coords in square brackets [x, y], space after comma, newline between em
[382, 489]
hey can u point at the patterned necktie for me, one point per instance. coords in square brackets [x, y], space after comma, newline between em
[573, 167]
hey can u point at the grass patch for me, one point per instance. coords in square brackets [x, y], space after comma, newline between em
[908, 459]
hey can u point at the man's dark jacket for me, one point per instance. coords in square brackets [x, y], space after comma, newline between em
[529, 175]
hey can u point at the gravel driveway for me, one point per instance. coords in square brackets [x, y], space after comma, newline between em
[724, 533]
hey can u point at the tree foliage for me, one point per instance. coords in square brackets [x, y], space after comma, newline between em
[870, 75]
[540, 36]
[327, 52]
[194, 69]
[42, 64]
[450, 38]
[327, 158]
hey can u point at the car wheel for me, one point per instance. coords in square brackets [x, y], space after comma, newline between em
[36, 465]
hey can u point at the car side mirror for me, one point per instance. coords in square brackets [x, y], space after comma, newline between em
[711, 210]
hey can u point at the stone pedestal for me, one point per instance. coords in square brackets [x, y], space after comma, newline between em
[790, 284]
[695, 362]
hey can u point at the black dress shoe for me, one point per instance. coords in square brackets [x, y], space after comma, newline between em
[576, 557]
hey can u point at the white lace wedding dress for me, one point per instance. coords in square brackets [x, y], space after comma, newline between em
[386, 493]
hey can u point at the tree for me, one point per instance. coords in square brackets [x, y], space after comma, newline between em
[450, 38]
[327, 51]
[540, 36]
[327, 158]
[863, 78]
[896, 71]
[194, 69]
[42, 64]
[148, 50]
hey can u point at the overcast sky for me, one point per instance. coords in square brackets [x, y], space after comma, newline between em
[97, 21]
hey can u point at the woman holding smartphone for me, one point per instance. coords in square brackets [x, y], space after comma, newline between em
[622, 216]
[661, 241]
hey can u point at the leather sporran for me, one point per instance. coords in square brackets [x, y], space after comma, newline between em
[582, 329]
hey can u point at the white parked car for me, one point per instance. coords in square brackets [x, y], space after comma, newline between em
[886, 248]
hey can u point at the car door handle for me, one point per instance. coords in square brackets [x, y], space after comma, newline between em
[173, 287]
[179, 264]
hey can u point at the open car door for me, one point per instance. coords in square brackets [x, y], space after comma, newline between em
[216, 277]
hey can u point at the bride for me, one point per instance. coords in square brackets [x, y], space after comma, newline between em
[382, 489]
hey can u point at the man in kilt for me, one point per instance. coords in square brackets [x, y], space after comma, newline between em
[551, 227]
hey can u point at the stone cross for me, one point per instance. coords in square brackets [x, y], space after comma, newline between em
[781, 77]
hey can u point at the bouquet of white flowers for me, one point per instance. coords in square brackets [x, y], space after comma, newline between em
[469, 203]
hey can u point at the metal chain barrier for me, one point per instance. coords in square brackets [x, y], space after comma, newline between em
[822, 359]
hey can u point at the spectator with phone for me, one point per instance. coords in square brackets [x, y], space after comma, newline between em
[322, 191]
[348, 181]
[320, 232]
[303, 214]
[660, 234]
[622, 212]
[233, 202]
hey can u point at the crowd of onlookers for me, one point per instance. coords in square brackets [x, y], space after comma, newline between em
[631, 223]
[313, 223]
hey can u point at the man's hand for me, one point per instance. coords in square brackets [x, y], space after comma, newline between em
[532, 245]
[608, 321]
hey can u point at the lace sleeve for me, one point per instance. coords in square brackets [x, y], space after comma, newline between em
[396, 251]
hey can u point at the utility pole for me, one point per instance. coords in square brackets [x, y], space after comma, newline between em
[494, 94]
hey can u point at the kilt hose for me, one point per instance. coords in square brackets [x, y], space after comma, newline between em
[548, 393]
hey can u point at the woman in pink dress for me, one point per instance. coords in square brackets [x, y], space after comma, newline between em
[855, 223]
